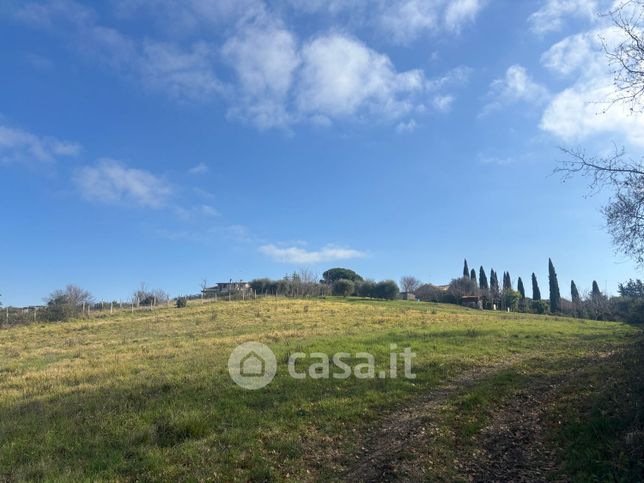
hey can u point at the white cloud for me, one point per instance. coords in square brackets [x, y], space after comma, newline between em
[20, 146]
[178, 72]
[551, 16]
[570, 54]
[454, 77]
[341, 77]
[406, 20]
[198, 212]
[443, 103]
[404, 127]
[112, 182]
[329, 78]
[200, 168]
[461, 12]
[278, 80]
[208, 210]
[296, 255]
[515, 86]
[583, 109]
[264, 57]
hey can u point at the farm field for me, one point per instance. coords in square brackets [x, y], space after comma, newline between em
[148, 396]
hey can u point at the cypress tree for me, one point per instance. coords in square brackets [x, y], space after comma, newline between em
[473, 275]
[466, 270]
[555, 296]
[483, 279]
[520, 288]
[494, 284]
[596, 292]
[536, 293]
[507, 281]
[574, 293]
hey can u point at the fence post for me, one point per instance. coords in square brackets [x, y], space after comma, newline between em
[7, 311]
[111, 307]
[35, 312]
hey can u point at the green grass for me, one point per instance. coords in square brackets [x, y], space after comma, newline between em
[148, 395]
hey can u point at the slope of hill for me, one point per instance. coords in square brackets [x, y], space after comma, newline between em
[148, 395]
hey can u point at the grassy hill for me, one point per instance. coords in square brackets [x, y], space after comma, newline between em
[147, 395]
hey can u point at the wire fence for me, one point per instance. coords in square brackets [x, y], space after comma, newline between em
[12, 316]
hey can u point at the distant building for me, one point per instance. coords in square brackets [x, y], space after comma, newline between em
[226, 287]
[473, 301]
[407, 296]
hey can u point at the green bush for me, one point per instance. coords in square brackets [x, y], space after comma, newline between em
[539, 306]
[182, 302]
[366, 289]
[343, 287]
[429, 293]
[387, 289]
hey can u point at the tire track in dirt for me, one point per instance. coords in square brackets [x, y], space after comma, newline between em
[385, 453]
[512, 446]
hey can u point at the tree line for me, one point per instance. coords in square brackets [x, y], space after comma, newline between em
[338, 281]
[492, 294]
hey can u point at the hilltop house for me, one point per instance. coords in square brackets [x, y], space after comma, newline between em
[226, 287]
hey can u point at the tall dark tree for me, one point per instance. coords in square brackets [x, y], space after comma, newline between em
[536, 293]
[507, 281]
[555, 295]
[483, 280]
[473, 275]
[466, 270]
[574, 293]
[596, 292]
[520, 288]
[494, 285]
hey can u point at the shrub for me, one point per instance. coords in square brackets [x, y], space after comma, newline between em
[628, 309]
[539, 306]
[343, 287]
[511, 298]
[60, 312]
[366, 289]
[182, 302]
[460, 287]
[430, 293]
[387, 289]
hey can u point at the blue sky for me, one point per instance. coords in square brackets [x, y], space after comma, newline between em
[164, 141]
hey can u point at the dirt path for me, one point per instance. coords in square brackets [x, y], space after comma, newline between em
[510, 448]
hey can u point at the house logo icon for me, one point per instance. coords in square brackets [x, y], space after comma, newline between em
[252, 365]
